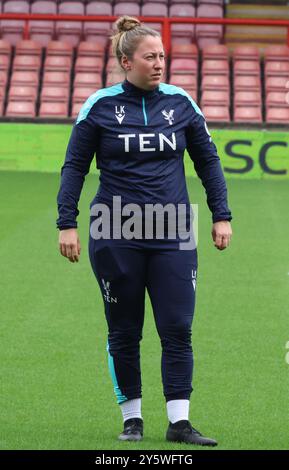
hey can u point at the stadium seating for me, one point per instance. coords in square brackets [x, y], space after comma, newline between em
[25, 78]
[21, 109]
[57, 63]
[71, 69]
[215, 98]
[182, 33]
[124, 8]
[59, 48]
[12, 30]
[248, 114]
[209, 33]
[56, 79]
[88, 80]
[215, 52]
[215, 82]
[53, 110]
[184, 66]
[244, 83]
[189, 51]
[90, 49]
[43, 31]
[97, 31]
[22, 93]
[216, 113]
[158, 9]
[277, 115]
[70, 31]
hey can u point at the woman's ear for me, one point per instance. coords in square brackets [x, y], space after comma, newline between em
[125, 63]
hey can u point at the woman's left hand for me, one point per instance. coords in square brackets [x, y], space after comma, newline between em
[222, 233]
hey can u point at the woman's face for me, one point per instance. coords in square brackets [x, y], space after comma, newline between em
[146, 69]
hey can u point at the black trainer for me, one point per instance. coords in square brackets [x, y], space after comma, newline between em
[132, 430]
[182, 431]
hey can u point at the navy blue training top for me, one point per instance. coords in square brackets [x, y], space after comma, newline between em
[139, 138]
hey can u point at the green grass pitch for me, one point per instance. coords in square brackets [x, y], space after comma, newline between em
[56, 392]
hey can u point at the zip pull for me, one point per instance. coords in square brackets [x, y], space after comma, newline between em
[144, 111]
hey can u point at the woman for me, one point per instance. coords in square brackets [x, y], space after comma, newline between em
[139, 130]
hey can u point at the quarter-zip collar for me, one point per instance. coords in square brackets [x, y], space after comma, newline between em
[136, 91]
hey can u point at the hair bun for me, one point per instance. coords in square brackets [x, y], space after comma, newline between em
[126, 23]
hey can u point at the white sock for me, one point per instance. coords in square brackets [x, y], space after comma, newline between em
[178, 410]
[131, 409]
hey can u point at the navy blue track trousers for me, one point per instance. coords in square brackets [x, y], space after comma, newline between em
[124, 271]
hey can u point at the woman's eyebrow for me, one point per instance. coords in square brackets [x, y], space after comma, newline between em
[154, 53]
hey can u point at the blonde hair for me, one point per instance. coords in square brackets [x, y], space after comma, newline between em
[129, 31]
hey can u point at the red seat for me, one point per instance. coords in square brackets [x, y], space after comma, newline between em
[80, 94]
[247, 67]
[187, 82]
[57, 63]
[277, 115]
[124, 8]
[90, 49]
[88, 80]
[28, 47]
[216, 113]
[98, 30]
[22, 93]
[215, 51]
[184, 30]
[215, 82]
[277, 52]
[24, 78]
[276, 83]
[248, 114]
[184, 80]
[53, 110]
[244, 82]
[209, 33]
[114, 77]
[247, 98]
[70, 31]
[246, 53]
[20, 109]
[3, 78]
[42, 31]
[154, 9]
[215, 67]
[27, 63]
[275, 69]
[59, 48]
[54, 94]
[88, 64]
[60, 79]
[12, 30]
[4, 62]
[215, 98]
[277, 99]
[184, 66]
[5, 47]
[76, 107]
[184, 51]
[113, 66]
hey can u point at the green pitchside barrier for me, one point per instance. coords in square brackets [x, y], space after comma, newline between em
[244, 154]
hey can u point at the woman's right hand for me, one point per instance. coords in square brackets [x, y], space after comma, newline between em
[69, 244]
